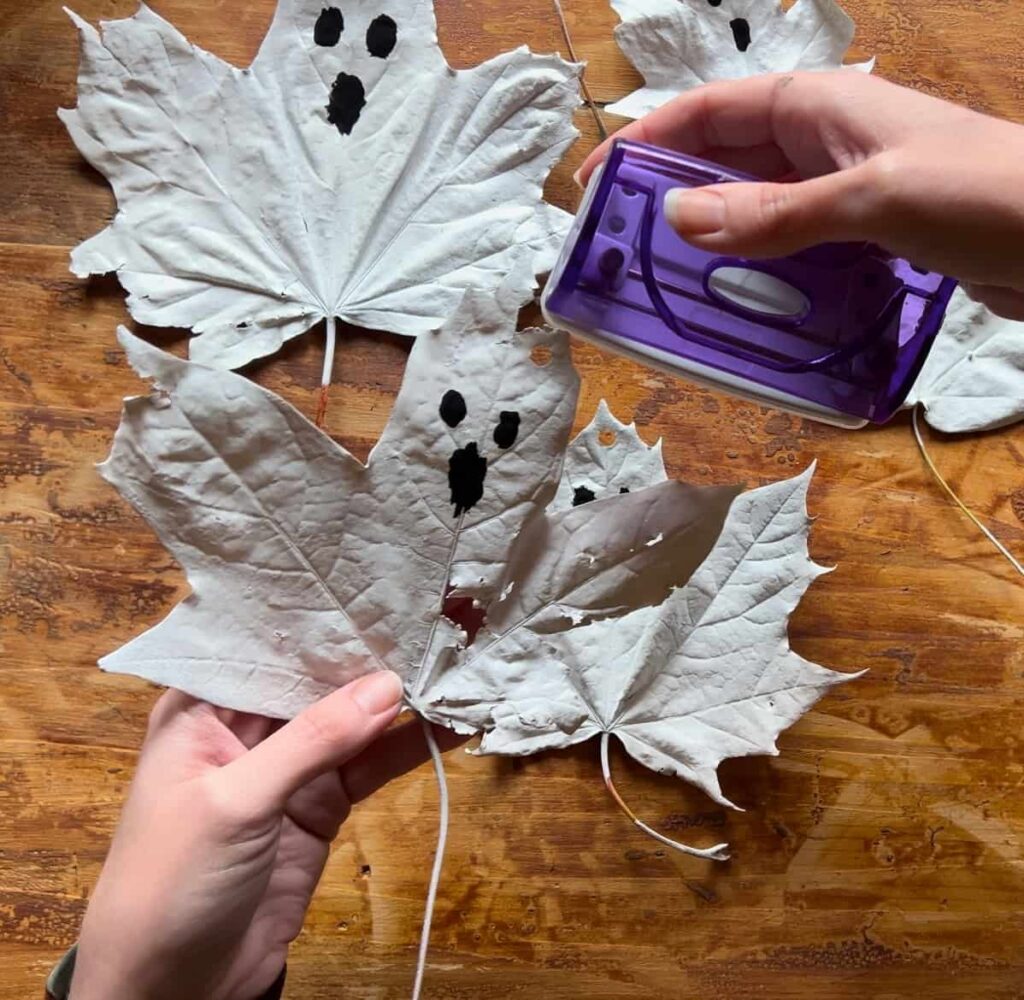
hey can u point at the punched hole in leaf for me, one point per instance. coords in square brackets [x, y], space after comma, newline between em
[741, 32]
[607, 437]
[465, 613]
[381, 36]
[541, 355]
[328, 28]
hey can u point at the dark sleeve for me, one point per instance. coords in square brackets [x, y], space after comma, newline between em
[58, 985]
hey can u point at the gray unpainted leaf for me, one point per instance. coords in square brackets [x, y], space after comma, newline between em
[705, 675]
[309, 568]
[973, 378]
[680, 44]
[245, 215]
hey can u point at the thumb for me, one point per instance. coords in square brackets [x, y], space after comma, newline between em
[771, 219]
[323, 737]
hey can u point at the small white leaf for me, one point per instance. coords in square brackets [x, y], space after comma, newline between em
[973, 379]
[607, 457]
[681, 44]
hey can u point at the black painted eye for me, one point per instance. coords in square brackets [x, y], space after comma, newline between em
[381, 36]
[452, 408]
[582, 495]
[715, 3]
[329, 26]
[347, 101]
[741, 32]
[507, 431]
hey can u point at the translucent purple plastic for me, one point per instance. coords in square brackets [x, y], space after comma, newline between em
[856, 329]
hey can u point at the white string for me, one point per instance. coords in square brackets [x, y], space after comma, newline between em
[720, 852]
[435, 875]
[325, 376]
[952, 495]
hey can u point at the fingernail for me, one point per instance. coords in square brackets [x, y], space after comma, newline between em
[694, 212]
[576, 179]
[376, 693]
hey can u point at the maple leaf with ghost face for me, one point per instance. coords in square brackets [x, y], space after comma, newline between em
[680, 44]
[347, 172]
[309, 568]
[648, 609]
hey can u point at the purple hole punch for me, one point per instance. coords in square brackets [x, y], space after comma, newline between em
[837, 333]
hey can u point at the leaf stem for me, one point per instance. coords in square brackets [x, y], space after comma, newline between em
[720, 852]
[952, 495]
[325, 375]
[435, 875]
[601, 130]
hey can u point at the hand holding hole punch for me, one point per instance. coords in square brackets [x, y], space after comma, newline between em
[849, 157]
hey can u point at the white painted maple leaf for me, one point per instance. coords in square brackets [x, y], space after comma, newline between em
[309, 568]
[705, 675]
[973, 378]
[347, 172]
[680, 44]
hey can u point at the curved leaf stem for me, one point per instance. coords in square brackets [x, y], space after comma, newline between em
[720, 852]
[952, 495]
[594, 110]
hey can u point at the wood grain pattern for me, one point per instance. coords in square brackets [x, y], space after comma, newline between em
[880, 855]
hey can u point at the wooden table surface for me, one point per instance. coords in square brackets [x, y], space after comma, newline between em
[880, 855]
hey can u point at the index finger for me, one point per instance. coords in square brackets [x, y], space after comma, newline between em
[729, 114]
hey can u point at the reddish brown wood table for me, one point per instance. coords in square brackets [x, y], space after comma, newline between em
[880, 855]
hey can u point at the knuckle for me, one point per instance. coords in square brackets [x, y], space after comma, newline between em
[772, 209]
[882, 183]
[324, 725]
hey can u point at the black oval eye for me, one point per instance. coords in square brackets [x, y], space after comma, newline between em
[329, 26]
[381, 36]
[452, 408]
[507, 431]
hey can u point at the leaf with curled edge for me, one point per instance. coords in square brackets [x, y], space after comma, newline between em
[973, 378]
[344, 173]
[680, 44]
[309, 568]
[705, 675]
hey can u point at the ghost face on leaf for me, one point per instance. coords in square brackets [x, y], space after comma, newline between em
[347, 173]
